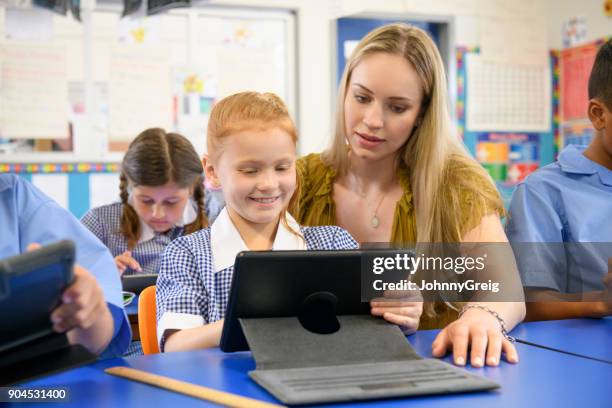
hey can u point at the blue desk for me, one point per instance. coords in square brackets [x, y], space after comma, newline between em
[542, 378]
[586, 337]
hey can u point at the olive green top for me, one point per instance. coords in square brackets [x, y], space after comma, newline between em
[317, 207]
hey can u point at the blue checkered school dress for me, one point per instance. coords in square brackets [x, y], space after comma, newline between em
[105, 222]
[187, 283]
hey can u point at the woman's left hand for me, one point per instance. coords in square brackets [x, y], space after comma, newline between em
[480, 331]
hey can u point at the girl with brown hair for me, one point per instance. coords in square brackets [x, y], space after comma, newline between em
[162, 198]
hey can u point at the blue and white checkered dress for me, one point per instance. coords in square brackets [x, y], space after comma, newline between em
[189, 289]
[105, 223]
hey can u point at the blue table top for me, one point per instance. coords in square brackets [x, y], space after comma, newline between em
[541, 378]
[586, 337]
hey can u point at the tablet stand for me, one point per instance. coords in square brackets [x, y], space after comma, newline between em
[367, 358]
[42, 356]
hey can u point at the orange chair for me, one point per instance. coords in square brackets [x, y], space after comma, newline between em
[147, 321]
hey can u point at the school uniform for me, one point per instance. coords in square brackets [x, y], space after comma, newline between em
[196, 270]
[566, 207]
[105, 223]
[29, 216]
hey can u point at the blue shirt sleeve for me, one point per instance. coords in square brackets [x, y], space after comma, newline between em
[43, 221]
[535, 230]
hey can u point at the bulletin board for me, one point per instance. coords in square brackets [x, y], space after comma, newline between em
[509, 148]
[574, 66]
[163, 71]
[166, 70]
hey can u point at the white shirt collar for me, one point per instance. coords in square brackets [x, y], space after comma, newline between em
[189, 215]
[226, 241]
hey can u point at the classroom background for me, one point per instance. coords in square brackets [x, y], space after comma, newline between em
[78, 83]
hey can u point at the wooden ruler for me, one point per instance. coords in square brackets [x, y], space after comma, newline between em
[193, 390]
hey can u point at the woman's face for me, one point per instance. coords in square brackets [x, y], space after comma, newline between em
[382, 105]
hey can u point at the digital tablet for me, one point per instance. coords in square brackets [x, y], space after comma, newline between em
[31, 286]
[294, 283]
[137, 283]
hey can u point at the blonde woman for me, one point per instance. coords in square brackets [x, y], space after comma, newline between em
[395, 172]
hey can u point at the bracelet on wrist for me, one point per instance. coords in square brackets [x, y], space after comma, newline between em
[496, 315]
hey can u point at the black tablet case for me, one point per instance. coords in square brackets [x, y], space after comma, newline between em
[367, 358]
[33, 349]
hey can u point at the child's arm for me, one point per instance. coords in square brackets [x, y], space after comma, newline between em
[552, 305]
[195, 338]
[183, 300]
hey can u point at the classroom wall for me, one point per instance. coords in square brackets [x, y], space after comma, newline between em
[558, 11]
[502, 29]
[475, 20]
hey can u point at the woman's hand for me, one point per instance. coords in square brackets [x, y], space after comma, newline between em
[403, 308]
[125, 261]
[480, 331]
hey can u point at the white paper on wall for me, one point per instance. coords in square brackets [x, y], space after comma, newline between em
[53, 185]
[507, 97]
[140, 91]
[33, 84]
[103, 189]
[28, 24]
[513, 40]
[245, 69]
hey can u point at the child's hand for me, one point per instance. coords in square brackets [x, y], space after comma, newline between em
[125, 261]
[483, 330]
[403, 308]
[82, 303]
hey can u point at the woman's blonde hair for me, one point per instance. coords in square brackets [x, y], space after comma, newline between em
[431, 147]
[252, 111]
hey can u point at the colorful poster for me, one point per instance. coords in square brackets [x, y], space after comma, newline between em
[577, 133]
[508, 157]
[576, 64]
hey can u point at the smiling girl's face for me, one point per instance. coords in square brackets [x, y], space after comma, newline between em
[382, 105]
[256, 170]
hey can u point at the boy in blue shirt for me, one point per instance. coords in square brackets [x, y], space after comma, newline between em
[92, 311]
[566, 207]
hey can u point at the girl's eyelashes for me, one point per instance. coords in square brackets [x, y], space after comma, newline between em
[152, 202]
[248, 170]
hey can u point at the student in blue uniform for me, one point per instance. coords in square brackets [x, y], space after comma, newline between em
[567, 208]
[162, 198]
[91, 311]
[252, 153]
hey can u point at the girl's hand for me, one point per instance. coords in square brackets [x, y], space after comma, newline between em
[403, 309]
[480, 330]
[82, 303]
[125, 261]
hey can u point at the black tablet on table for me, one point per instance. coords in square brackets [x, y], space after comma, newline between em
[313, 338]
